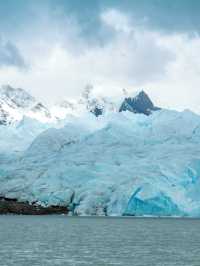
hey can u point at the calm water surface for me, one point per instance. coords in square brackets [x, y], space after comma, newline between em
[61, 240]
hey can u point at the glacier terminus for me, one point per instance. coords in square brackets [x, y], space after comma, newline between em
[95, 156]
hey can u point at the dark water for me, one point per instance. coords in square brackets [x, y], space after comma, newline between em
[61, 240]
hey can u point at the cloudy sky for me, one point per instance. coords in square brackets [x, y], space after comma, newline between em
[53, 48]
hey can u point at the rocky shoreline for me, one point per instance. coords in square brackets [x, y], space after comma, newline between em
[13, 206]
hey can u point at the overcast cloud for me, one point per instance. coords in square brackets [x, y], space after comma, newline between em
[111, 45]
[10, 55]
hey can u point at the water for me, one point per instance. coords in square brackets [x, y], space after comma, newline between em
[71, 241]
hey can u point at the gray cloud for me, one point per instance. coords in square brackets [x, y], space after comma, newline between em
[10, 55]
[160, 15]
[112, 44]
[138, 54]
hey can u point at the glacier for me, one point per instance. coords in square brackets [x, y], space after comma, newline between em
[119, 163]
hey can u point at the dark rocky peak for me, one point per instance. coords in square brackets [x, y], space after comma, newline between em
[93, 104]
[3, 116]
[97, 111]
[140, 104]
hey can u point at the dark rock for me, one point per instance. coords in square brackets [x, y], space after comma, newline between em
[39, 107]
[4, 116]
[15, 207]
[97, 111]
[140, 104]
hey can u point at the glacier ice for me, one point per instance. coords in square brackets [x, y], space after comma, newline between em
[114, 164]
[158, 205]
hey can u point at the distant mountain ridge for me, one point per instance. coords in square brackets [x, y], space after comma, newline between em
[98, 105]
[16, 103]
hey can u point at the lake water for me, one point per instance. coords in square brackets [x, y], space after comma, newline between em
[71, 241]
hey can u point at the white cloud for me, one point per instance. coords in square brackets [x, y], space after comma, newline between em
[117, 20]
[134, 58]
[179, 88]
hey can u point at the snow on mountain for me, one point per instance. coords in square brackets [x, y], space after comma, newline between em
[22, 117]
[121, 163]
[64, 109]
[16, 103]
[88, 102]
[139, 102]
[16, 97]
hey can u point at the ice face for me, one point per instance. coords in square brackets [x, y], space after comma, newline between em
[158, 205]
[115, 164]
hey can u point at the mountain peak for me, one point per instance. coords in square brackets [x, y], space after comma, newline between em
[16, 102]
[16, 96]
[140, 103]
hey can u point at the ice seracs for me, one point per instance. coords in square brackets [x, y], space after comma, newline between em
[119, 164]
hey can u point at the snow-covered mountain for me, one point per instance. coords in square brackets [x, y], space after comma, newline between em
[98, 105]
[87, 102]
[22, 117]
[101, 157]
[15, 103]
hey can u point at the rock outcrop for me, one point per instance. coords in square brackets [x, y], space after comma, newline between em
[140, 104]
[15, 207]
